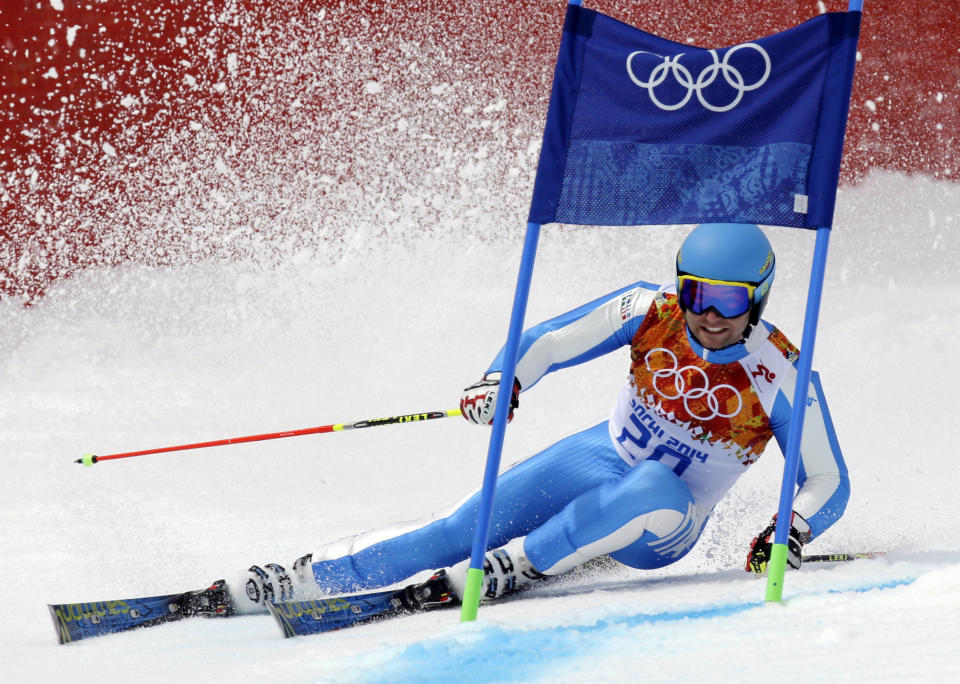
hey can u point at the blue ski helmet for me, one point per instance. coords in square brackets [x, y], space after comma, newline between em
[734, 252]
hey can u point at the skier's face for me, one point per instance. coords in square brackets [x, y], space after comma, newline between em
[714, 331]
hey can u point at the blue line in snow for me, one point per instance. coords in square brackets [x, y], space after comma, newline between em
[495, 654]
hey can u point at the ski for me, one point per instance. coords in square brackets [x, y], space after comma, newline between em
[302, 618]
[76, 621]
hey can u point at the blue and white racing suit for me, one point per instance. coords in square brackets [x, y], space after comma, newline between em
[641, 485]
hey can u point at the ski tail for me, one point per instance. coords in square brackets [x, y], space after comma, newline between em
[76, 621]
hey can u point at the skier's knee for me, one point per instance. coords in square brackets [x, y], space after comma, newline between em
[668, 537]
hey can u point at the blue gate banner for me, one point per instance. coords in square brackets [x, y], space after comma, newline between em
[645, 131]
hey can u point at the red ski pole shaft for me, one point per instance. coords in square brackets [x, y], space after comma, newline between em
[90, 459]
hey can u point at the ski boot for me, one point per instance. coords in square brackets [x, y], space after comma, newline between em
[505, 570]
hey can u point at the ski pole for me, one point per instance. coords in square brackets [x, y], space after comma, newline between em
[89, 459]
[837, 557]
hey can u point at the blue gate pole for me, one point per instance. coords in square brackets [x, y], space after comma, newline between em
[471, 597]
[777, 565]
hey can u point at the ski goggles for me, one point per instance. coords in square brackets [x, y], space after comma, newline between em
[728, 299]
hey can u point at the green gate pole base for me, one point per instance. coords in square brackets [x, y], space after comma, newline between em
[776, 569]
[471, 595]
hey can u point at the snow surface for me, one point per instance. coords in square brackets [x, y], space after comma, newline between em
[132, 357]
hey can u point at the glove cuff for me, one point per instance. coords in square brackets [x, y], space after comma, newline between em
[798, 524]
[494, 376]
[802, 527]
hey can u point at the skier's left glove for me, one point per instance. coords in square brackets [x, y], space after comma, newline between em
[759, 554]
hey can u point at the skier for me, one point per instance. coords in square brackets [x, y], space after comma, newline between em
[709, 384]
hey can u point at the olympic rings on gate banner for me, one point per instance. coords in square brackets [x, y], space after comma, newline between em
[688, 393]
[672, 66]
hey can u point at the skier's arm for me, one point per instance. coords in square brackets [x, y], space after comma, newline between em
[824, 484]
[585, 333]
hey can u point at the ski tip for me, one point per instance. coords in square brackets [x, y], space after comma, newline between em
[87, 460]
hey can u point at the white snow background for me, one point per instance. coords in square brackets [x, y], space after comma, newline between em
[131, 358]
[361, 263]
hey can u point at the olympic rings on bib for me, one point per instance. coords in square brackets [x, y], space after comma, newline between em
[689, 393]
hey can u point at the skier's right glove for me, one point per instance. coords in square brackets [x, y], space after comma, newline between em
[762, 544]
[479, 400]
